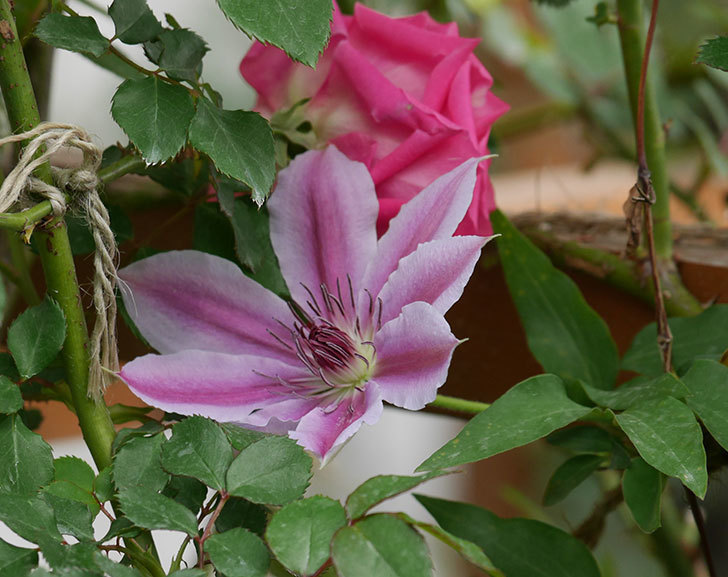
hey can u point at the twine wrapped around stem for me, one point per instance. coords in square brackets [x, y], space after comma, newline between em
[75, 189]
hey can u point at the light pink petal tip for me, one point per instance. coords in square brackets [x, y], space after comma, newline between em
[328, 427]
[223, 387]
[435, 273]
[322, 221]
[187, 299]
[432, 214]
[413, 356]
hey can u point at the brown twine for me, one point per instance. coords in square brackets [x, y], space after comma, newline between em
[81, 186]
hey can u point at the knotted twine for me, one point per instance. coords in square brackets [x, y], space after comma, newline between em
[81, 185]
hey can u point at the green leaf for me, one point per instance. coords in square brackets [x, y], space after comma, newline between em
[240, 143]
[469, 551]
[36, 337]
[213, 233]
[708, 383]
[25, 458]
[29, 516]
[179, 53]
[642, 487]
[138, 464]
[300, 533]
[71, 492]
[238, 553]
[11, 401]
[103, 485]
[186, 491]
[74, 33]
[638, 390]
[518, 547]
[530, 410]
[16, 561]
[582, 439]
[380, 545]
[134, 21]
[300, 28]
[704, 336]
[569, 476]
[240, 437]
[380, 488]
[273, 471]
[198, 448]
[125, 435]
[242, 513]
[72, 517]
[564, 333]
[114, 569]
[155, 115]
[714, 53]
[76, 471]
[252, 236]
[189, 573]
[667, 436]
[7, 367]
[121, 527]
[154, 511]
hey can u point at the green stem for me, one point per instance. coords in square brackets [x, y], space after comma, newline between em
[124, 165]
[20, 221]
[55, 254]
[631, 21]
[458, 405]
[620, 273]
[21, 264]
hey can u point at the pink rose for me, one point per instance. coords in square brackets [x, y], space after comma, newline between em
[405, 96]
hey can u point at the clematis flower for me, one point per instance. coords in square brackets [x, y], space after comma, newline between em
[366, 324]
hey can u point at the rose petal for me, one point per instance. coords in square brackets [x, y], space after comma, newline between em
[192, 300]
[322, 221]
[435, 273]
[432, 214]
[224, 387]
[413, 356]
[330, 424]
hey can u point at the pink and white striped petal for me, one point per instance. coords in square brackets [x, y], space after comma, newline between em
[337, 418]
[432, 214]
[182, 300]
[227, 388]
[435, 273]
[322, 221]
[413, 356]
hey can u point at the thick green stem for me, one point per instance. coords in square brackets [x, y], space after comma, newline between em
[631, 22]
[21, 264]
[458, 405]
[20, 221]
[620, 273]
[55, 254]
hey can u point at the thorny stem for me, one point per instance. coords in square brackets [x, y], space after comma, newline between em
[646, 193]
[55, 253]
[224, 496]
[643, 192]
[27, 219]
[21, 264]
